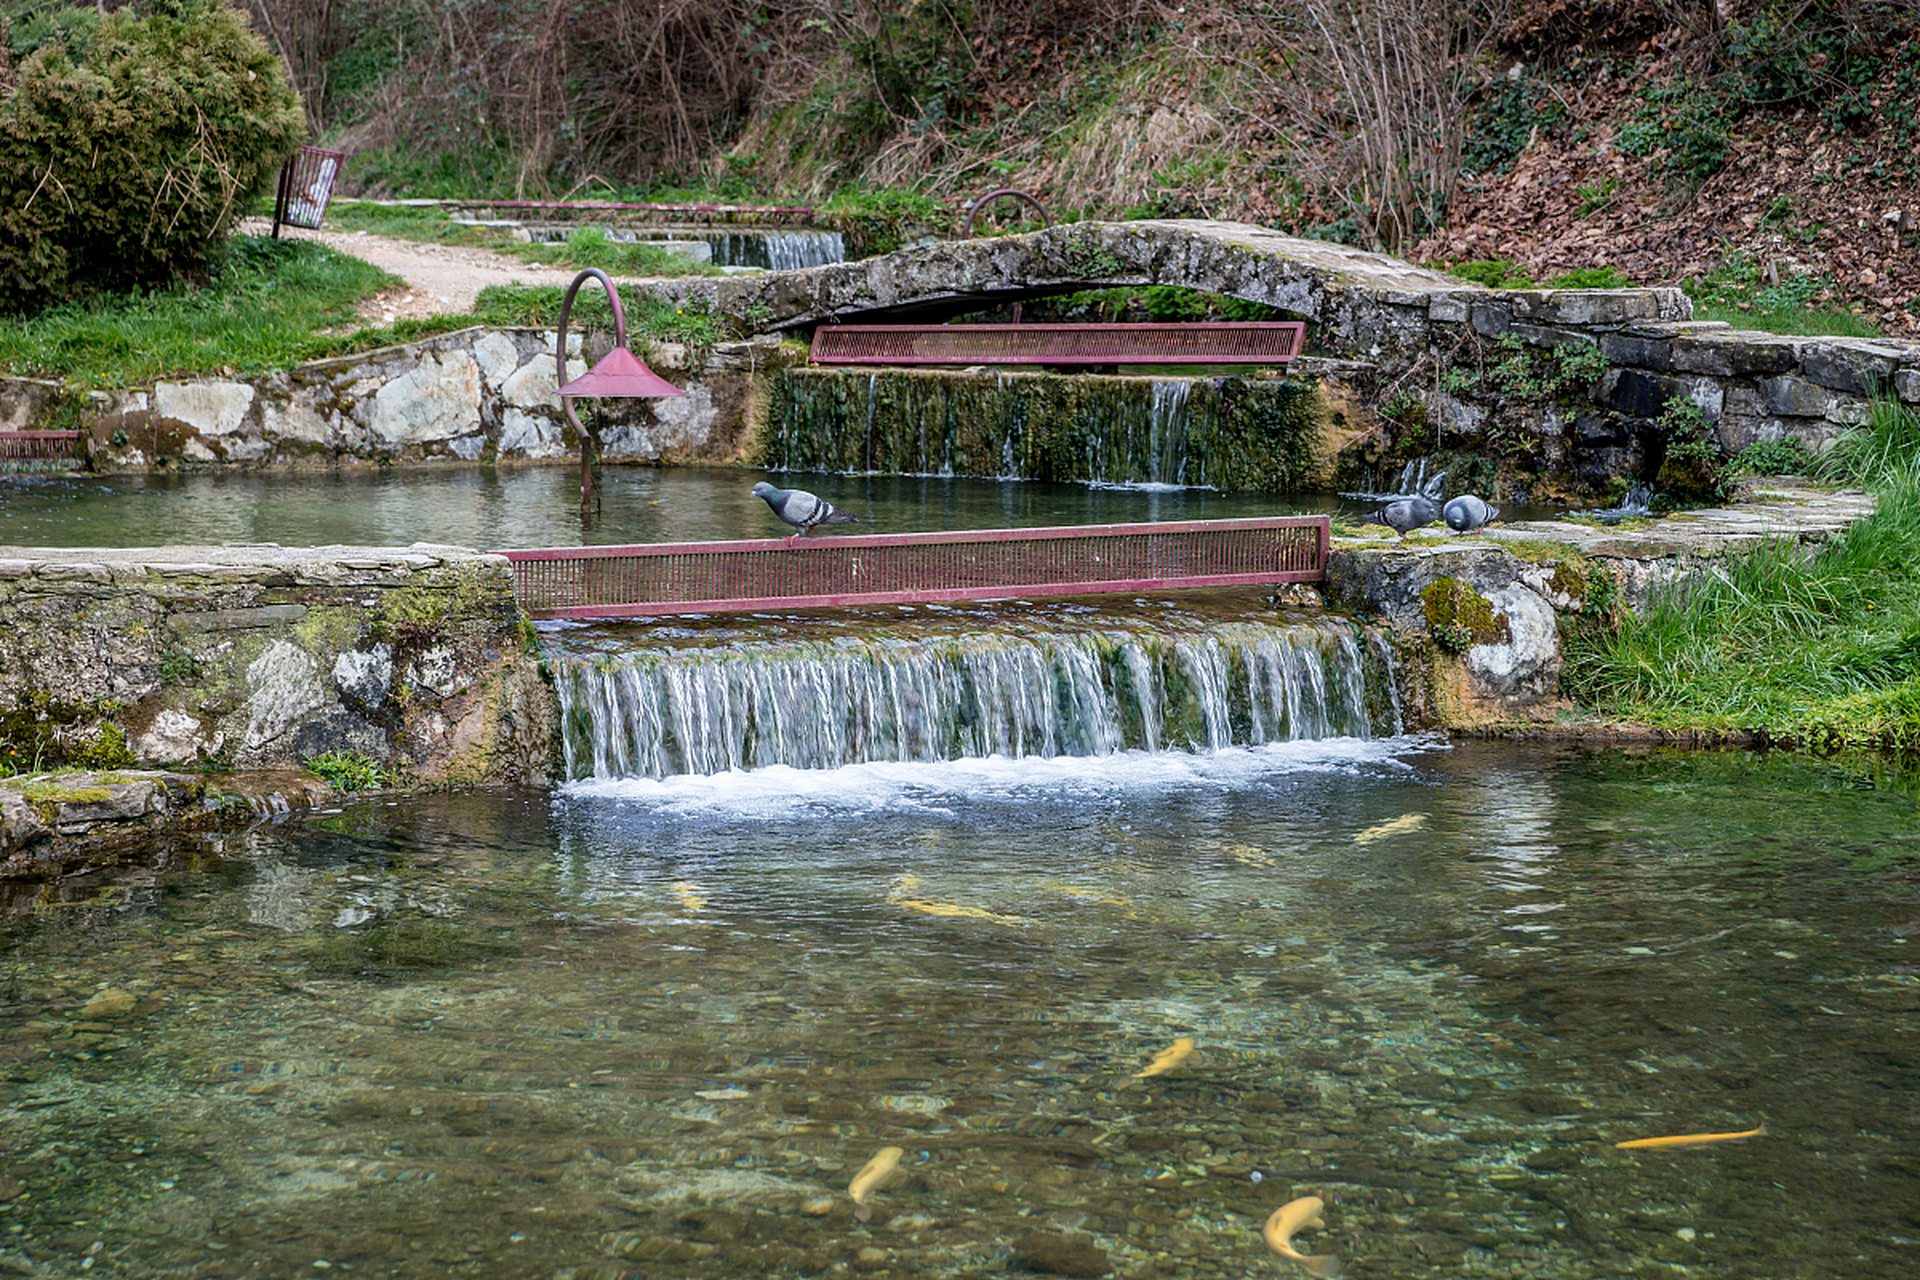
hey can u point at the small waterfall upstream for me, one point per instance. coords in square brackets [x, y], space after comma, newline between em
[1234, 435]
[769, 248]
[1063, 687]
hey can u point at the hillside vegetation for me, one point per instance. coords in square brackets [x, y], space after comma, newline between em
[1744, 144]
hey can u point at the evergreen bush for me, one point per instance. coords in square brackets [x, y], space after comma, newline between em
[123, 168]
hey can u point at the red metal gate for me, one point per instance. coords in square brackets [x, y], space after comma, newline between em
[1264, 342]
[734, 577]
[57, 447]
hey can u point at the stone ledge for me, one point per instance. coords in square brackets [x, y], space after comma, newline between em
[1525, 575]
[48, 819]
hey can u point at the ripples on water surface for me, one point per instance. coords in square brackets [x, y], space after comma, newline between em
[654, 1029]
[495, 508]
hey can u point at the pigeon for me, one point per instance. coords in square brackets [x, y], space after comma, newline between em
[1468, 514]
[1403, 514]
[800, 509]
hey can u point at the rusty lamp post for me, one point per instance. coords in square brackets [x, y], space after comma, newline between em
[620, 373]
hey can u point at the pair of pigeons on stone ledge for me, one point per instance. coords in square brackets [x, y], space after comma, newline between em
[1467, 513]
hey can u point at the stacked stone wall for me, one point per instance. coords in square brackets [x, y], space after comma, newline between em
[478, 395]
[415, 658]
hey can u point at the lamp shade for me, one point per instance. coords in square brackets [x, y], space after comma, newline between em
[620, 373]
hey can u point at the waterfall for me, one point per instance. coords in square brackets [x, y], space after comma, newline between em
[1235, 435]
[770, 248]
[1092, 689]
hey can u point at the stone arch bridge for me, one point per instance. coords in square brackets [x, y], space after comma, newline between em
[1441, 355]
[1359, 304]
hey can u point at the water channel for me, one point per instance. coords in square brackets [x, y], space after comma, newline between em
[948, 880]
[491, 508]
[652, 1026]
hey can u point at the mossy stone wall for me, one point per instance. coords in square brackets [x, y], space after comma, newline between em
[1233, 434]
[416, 658]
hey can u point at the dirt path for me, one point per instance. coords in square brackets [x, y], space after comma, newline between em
[441, 280]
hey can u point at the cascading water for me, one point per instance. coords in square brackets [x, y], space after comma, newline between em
[1235, 435]
[770, 248]
[1066, 686]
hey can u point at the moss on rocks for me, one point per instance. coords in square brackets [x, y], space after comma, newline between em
[1458, 617]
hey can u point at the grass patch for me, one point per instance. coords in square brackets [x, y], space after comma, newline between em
[259, 312]
[592, 247]
[648, 317]
[585, 247]
[1739, 292]
[272, 304]
[1820, 649]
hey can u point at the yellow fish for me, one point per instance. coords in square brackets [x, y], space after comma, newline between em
[1680, 1140]
[689, 895]
[1295, 1216]
[955, 909]
[926, 906]
[1399, 826]
[871, 1175]
[1247, 855]
[1173, 1056]
[1091, 895]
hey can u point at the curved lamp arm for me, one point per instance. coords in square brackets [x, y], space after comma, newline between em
[560, 376]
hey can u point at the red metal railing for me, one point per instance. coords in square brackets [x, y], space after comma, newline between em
[41, 445]
[1265, 342]
[909, 568]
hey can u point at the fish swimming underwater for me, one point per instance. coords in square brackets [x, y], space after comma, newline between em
[875, 1171]
[1173, 1056]
[1404, 823]
[906, 884]
[689, 894]
[1299, 1215]
[1680, 1140]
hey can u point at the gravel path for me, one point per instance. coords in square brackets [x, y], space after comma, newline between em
[441, 279]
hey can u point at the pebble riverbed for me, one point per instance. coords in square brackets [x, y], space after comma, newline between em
[568, 1035]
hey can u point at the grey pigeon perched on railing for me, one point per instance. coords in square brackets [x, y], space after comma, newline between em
[1403, 514]
[800, 509]
[1469, 514]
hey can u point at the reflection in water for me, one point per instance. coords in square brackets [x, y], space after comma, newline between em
[660, 1032]
[496, 508]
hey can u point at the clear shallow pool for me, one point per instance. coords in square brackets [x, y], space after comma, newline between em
[654, 1029]
[494, 508]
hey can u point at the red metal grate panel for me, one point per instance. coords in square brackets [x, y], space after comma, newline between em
[40, 444]
[911, 568]
[1266, 342]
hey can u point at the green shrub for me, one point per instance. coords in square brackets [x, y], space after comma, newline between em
[1693, 471]
[1683, 128]
[1509, 115]
[351, 771]
[123, 170]
[1591, 278]
[1784, 456]
[1494, 273]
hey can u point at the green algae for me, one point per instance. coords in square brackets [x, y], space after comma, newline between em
[1236, 435]
[1458, 617]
